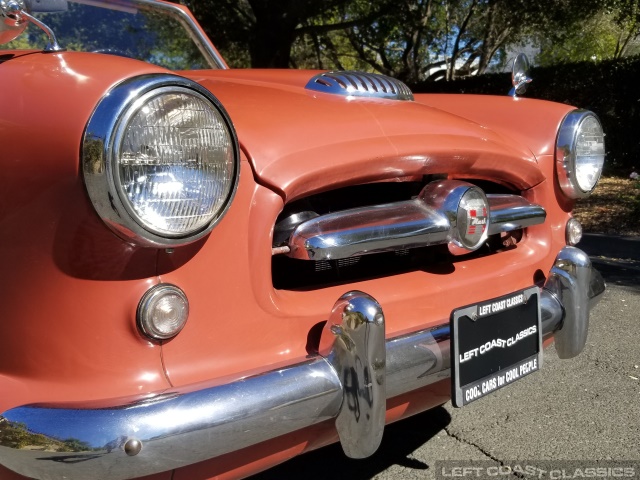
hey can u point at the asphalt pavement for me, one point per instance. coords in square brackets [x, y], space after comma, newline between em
[582, 410]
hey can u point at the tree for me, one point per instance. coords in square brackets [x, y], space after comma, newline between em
[610, 33]
[627, 18]
[266, 29]
[404, 42]
[412, 40]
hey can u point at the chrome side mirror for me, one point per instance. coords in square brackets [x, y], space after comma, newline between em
[520, 75]
[12, 23]
[14, 17]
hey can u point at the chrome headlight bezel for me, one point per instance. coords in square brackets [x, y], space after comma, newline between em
[101, 147]
[567, 166]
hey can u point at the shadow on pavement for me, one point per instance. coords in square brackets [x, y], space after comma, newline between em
[72, 458]
[400, 440]
[617, 273]
[616, 258]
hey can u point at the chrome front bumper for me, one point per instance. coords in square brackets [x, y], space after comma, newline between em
[350, 380]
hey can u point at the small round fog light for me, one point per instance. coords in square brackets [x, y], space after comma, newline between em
[574, 232]
[162, 312]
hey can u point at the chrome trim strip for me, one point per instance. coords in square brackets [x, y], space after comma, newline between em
[181, 428]
[360, 84]
[424, 221]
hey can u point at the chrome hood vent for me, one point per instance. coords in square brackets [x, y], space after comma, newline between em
[360, 84]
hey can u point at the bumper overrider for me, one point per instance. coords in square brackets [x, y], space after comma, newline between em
[356, 370]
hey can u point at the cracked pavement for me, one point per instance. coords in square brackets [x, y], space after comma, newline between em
[586, 408]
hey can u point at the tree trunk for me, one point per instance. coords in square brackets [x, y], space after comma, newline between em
[270, 41]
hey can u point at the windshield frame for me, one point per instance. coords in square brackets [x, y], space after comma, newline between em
[185, 18]
[176, 12]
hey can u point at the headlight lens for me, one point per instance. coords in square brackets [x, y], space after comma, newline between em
[165, 166]
[580, 153]
[175, 162]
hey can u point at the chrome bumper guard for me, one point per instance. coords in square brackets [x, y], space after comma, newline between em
[350, 380]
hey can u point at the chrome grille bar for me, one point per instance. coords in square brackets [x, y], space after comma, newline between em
[397, 226]
[511, 212]
[359, 231]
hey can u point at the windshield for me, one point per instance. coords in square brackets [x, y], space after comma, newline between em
[145, 30]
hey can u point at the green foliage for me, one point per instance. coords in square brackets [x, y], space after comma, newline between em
[402, 39]
[75, 445]
[13, 434]
[609, 88]
[409, 39]
[32, 38]
[16, 435]
[228, 24]
[602, 36]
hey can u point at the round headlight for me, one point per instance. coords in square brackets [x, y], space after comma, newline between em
[579, 153]
[160, 160]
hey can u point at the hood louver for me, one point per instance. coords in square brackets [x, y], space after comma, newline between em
[359, 84]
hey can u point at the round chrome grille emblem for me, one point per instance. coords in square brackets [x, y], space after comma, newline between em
[472, 222]
[467, 213]
[473, 218]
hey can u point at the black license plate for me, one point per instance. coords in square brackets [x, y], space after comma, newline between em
[494, 343]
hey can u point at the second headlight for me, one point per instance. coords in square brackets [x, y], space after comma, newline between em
[579, 153]
[160, 160]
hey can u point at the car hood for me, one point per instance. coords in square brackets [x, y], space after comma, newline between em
[301, 141]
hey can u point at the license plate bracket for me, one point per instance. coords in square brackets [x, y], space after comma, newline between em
[494, 343]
